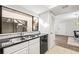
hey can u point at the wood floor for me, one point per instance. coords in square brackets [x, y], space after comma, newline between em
[62, 41]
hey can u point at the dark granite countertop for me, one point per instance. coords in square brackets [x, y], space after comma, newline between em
[19, 39]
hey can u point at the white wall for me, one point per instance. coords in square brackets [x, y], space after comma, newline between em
[71, 26]
[60, 28]
[46, 25]
[66, 25]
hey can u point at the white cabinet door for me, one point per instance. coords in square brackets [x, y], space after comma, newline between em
[31, 47]
[34, 41]
[22, 51]
[35, 47]
[15, 48]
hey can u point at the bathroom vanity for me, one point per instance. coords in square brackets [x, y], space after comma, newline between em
[23, 44]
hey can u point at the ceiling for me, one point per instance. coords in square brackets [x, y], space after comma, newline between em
[55, 9]
[38, 8]
[62, 9]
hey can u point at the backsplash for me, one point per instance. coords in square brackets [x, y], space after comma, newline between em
[9, 35]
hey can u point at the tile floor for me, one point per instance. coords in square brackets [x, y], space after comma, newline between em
[60, 50]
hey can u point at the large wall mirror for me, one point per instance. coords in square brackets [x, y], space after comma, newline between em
[7, 25]
[20, 25]
[10, 25]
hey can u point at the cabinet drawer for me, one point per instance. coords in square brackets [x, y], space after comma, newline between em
[22, 51]
[14, 48]
[34, 41]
